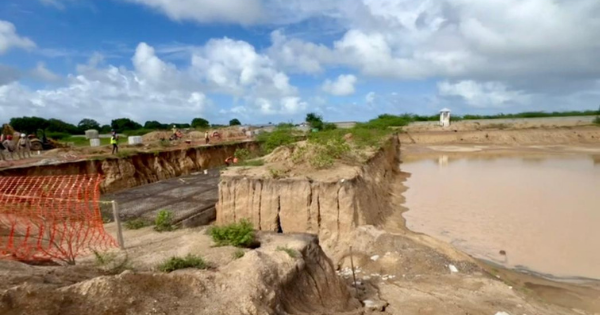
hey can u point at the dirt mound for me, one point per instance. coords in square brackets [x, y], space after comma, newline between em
[155, 136]
[265, 281]
[283, 153]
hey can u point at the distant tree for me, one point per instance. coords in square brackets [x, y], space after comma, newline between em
[28, 124]
[178, 125]
[124, 124]
[234, 122]
[153, 124]
[105, 129]
[87, 124]
[315, 121]
[200, 123]
[57, 125]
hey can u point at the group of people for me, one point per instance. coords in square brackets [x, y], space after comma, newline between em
[8, 147]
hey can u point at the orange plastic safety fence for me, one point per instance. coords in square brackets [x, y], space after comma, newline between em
[51, 217]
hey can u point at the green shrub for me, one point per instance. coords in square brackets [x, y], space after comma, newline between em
[59, 135]
[385, 121]
[135, 224]
[329, 126]
[189, 261]
[164, 221]
[242, 154]
[292, 253]
[282, 135]
[239, 253]
[237, 234]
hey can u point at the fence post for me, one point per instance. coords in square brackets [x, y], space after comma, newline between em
[115, 207]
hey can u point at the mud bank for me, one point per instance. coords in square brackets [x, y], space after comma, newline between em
[264, 281]
[579, 135]
[140, 168]
[300, 204]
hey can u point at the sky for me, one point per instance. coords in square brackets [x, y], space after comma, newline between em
[275, 60]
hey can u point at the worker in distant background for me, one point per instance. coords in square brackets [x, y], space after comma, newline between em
[206, 137]
[24, 147]
[114, 140]
[9, 146]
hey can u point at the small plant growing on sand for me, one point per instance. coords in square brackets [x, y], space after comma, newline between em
[108, 262]
[164, 221]
[103, 259]
[239, 253]
[292, 253]
[275, 173]
[189, 261]
[135, 224]
[237, 234]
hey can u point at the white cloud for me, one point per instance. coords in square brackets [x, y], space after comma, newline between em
[412, 39]
[204, 11]
[342, 86]
[487, 94]
[158, 90]
[9, 38]
[370, 98]
[234, 67]
[42, 73]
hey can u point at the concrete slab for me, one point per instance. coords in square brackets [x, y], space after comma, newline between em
[190, 197]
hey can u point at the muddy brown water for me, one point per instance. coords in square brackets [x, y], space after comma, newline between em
[543, 212]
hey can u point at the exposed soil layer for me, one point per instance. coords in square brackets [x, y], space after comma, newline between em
[566, 135]
[264, 281]
[351, 197]
[140, 168]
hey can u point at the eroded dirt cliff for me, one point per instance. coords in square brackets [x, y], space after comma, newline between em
[300, 204]
[139, 168]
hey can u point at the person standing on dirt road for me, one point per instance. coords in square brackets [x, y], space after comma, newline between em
[24, 147]
[114, 141]
[206, 137]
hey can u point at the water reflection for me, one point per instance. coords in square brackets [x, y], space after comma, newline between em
[443, 160]
[541, 212]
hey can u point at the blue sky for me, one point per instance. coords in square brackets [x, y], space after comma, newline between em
[276, 60]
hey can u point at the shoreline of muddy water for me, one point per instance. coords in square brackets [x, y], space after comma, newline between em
[528, 208]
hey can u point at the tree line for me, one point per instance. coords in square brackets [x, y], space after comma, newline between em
[57, 126]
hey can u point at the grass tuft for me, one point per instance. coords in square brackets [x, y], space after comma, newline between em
[239, 253]
[189, 261]
[164, 221]
[135, 224]
[237, 234]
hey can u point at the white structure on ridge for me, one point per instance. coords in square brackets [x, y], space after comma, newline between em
[445, 117]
